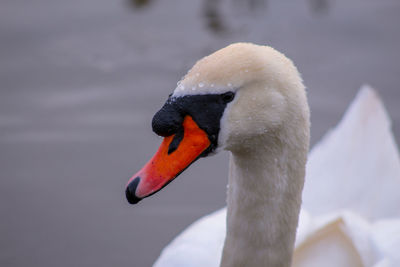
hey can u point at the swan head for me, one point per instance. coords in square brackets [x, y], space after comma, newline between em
[232, 100]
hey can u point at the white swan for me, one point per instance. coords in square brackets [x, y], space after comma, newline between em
[250, 100]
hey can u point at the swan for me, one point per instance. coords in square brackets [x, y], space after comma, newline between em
[250, 100]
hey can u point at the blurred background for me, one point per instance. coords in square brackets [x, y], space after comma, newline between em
[81, 79]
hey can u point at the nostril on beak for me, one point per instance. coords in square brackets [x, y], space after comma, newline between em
[130, 191]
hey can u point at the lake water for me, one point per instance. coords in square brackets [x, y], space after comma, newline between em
[80, 81]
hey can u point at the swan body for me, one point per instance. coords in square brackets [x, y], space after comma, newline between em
[250, 100]
[360, 228]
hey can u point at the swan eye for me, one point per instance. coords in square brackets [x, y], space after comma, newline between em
[228, 97]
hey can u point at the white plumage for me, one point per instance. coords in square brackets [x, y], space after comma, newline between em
[351, 203]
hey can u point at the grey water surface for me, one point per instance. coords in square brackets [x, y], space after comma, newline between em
[81, 79]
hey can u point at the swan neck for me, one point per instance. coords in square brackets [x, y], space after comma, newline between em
[264, 198]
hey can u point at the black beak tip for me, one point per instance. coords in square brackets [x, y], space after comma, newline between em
[130, 191]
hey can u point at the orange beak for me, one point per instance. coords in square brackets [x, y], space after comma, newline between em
[165, 166]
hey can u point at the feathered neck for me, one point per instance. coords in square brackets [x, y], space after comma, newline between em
[264, 198]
